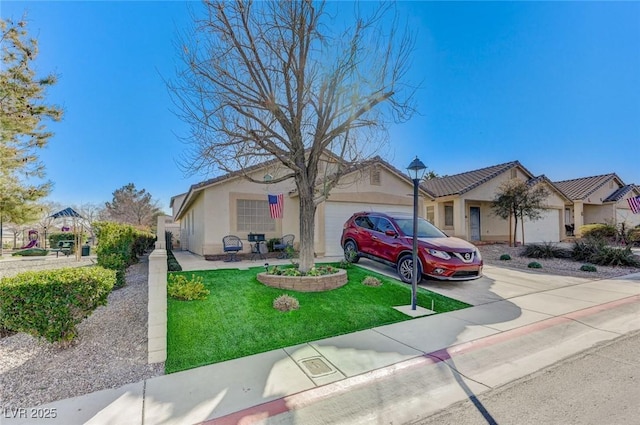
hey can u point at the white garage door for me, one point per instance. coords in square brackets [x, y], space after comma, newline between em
[337, 213]
[545, 229]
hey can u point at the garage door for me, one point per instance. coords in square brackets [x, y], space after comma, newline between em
[545, 229]
[337, 213]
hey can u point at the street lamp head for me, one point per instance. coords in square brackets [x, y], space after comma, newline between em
[416, 169]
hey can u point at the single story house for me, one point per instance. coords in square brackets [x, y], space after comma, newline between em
[461, 205]
[599, 199]
[232, 205]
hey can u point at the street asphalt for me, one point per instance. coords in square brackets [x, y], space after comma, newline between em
[520, 322]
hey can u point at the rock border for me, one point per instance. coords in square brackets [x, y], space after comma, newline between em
[322, 283]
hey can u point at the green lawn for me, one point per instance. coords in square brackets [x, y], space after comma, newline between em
[238, 319]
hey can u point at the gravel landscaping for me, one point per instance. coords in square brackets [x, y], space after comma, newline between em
[111, 349]
[564, 267]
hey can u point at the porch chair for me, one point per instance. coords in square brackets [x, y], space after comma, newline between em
[569, 228]
[231, 245]
[285, 242]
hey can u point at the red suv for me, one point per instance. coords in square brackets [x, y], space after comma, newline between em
[387, 238]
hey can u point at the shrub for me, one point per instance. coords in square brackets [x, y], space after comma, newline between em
[609, 256]
[344, 264]
[181, 288]
[290, 271]
[596, 251]
[293, 270]
[505, 257]
[54, 238]
[545, 250]
[271, 242]
[286, 303]
[49, 304]
[634, 235]
[588, 268]
[585, 249]
[534, 265]
[371, 281]
[116, 263]
[600, 230]
[172, 263]
[123, 241]
[31, 252]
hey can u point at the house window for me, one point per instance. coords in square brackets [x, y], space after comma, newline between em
[375, 178]
[430, 215]
[448, 215]
[514, 173]
[253, 216]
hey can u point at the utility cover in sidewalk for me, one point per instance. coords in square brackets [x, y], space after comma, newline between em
[316, 366]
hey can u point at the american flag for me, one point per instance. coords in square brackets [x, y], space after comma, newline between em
[634, 204]
[275, 205]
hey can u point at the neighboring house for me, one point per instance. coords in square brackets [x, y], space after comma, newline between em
[599, 199]
[461, 205]
[173, 227]
[231, 204]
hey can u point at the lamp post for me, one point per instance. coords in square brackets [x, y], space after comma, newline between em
[416, 171]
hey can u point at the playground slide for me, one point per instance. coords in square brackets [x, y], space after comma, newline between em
[31, 244]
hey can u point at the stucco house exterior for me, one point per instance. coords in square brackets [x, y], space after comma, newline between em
[458, 204]
[232, 205]
[461, 205]
[599, 199]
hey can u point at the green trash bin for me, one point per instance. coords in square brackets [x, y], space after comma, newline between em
[85, 250]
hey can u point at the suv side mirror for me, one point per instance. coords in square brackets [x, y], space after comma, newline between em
[390, 232]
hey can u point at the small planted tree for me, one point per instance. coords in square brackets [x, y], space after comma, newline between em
[516, 199]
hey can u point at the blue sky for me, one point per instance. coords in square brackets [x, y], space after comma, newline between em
[555, 85]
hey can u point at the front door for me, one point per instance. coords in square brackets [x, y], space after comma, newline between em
[474, 223]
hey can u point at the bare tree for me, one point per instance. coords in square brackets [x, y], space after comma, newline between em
[133, 206]
[516, 198]
[281, 80]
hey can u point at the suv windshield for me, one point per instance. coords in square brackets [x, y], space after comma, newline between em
[425, 229]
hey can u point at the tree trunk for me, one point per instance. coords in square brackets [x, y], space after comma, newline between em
[307, 230]
[522, 226]
[515, 230]
[510, 236]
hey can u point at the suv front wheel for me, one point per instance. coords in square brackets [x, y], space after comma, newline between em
[351, 252]
[405, 269]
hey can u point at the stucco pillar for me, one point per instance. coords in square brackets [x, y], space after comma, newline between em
[578, 217]
[160, 243]
[459, 219]
[157, 307]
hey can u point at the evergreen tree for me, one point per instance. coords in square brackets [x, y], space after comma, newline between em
[22, 131]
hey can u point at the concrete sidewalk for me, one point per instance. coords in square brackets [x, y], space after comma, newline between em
[520, 323]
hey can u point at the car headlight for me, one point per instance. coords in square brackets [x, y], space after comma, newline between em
[478, 255]
[439, 254]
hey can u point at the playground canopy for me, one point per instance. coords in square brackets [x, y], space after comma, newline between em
[67, 212]
[70, 212]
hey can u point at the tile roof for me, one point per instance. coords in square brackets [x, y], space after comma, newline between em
[581, 188]
[464, 182]
[620, 193]
[239, 173]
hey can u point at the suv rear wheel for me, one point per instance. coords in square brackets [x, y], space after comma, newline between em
[351, 252]
[405, 269]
